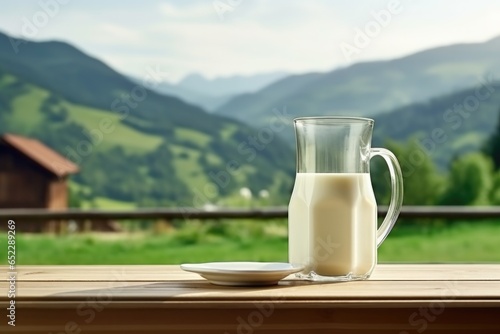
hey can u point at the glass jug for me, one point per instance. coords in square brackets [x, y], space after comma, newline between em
[332, 215]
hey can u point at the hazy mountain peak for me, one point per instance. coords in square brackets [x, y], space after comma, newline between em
[193, 79]
[229, 85]
[494, 40]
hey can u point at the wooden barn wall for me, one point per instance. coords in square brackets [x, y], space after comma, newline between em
[23, 183]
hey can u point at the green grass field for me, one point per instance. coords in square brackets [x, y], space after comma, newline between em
[259, 241]
[188, 168]
[193, 136]
[26, 118]
[24, 104]
[133, 141]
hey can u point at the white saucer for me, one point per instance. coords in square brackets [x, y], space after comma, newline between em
[242, 273]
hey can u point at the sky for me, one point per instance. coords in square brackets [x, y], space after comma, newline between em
[242, 37]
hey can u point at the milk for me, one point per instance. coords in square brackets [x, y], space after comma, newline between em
[332, 221]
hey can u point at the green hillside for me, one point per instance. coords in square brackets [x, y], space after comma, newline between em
[155, 150]
[444, 127]
[367, 89]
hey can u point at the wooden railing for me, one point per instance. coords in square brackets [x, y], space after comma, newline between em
[410, 212]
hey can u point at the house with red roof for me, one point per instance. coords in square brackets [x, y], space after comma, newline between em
[32, 175]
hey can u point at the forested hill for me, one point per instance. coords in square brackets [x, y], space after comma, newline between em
[447, 126]
[133, 144]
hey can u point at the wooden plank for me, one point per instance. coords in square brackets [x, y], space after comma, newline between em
[154, 273]
[256, 320]
[179, 290]
[288, 304]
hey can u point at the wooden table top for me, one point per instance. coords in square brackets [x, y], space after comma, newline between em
[402, 288]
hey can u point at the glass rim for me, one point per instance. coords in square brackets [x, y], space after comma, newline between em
[322, 119]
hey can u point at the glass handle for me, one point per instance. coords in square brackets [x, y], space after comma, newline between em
[396, 193]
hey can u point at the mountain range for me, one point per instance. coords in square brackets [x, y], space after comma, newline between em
[200, 99]
[162, 151]
[230, 85]
[212, 93]
[371, 88]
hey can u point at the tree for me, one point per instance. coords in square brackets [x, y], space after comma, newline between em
[75, 198]
[469, 181]
[422, 183]
[492, 146]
